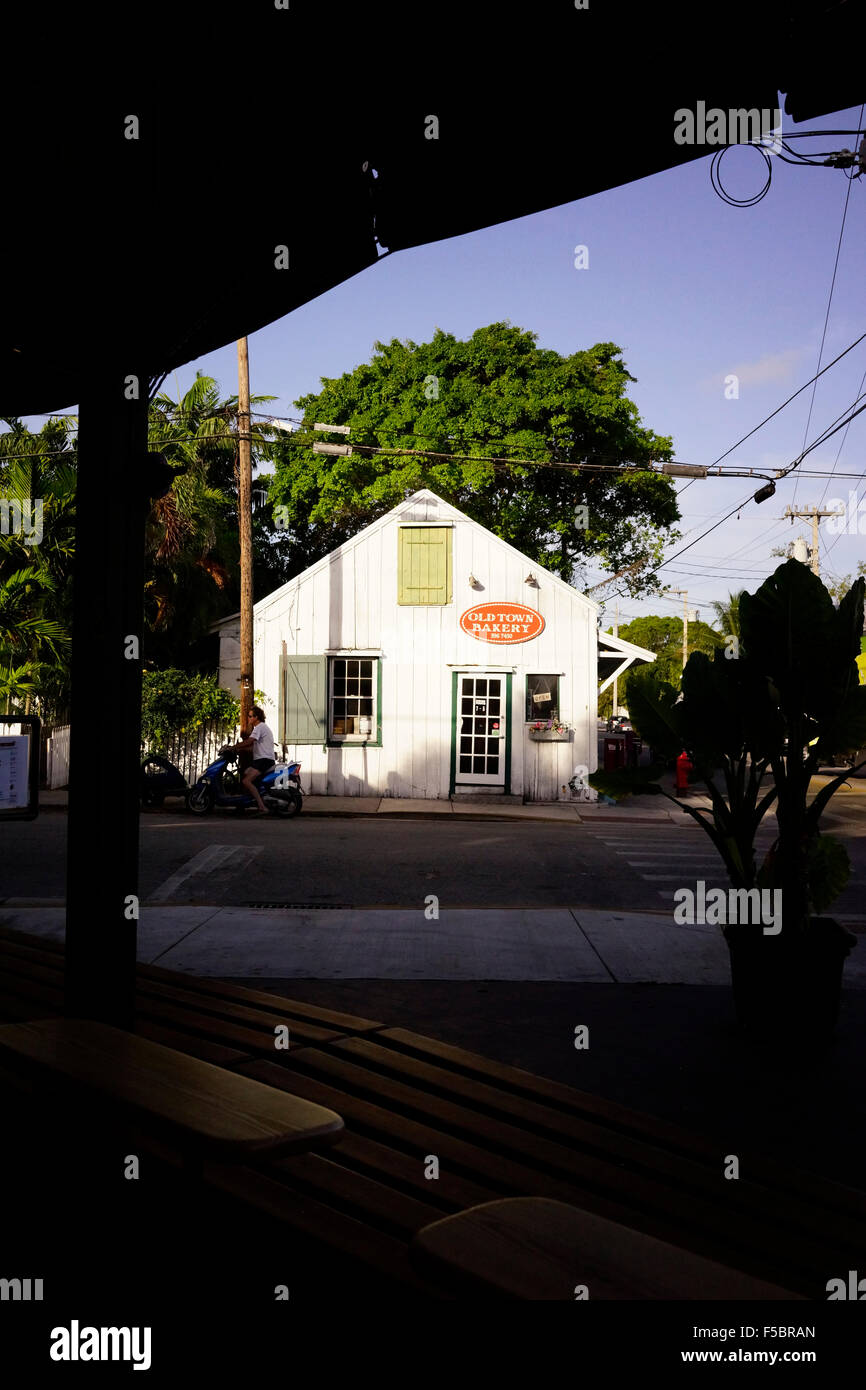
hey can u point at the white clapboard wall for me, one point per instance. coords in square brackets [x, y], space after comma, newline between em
[349, 601]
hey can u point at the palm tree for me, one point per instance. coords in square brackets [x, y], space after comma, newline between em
[728, 614]
[25, 633]
[192, 534]
[36, 567]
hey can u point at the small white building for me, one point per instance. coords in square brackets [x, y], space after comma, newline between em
[414, 659]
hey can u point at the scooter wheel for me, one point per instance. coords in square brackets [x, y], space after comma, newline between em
[289, 804]
[200, 801]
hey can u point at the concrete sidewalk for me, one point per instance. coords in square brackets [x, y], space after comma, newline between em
[517, 944]
[640, 808]
[492, 808]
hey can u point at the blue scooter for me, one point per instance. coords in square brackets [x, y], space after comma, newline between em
[280, 789]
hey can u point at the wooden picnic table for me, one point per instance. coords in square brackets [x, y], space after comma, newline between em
[496, 1133]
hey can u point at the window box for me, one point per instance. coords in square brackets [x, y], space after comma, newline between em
[559, 733]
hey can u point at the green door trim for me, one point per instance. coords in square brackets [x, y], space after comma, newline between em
[508, 733]
[455, 679]
[455, 676]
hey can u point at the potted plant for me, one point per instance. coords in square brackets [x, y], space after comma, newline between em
[550, 731]
[757, 722]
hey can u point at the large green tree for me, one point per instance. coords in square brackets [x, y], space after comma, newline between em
[664, 636]
[496, 396]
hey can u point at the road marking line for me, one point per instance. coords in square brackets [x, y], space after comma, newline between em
[710, 878]
[207, 861]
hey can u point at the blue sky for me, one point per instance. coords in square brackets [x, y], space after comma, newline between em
[691, 289]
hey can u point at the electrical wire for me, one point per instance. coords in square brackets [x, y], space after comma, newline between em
[829, 303]
[804, 387]
[793, 157]
[833, 474]
[721, 191]
[714, 464]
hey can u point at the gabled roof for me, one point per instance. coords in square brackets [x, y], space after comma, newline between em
[446, 512]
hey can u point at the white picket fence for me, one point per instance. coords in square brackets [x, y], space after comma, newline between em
[191, 753]
[57, 774]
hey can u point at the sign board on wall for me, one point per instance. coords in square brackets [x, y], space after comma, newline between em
[14, 779]
[19, 766]
[503, 623]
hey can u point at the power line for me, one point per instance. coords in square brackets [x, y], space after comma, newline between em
[860, 477]
[714, 527]
[829, 302]
[827, 434]
[788, 401]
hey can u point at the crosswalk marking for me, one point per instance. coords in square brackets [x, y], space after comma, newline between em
[662, 858]
[677, 878]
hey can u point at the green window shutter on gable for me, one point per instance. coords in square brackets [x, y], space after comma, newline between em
[303, 700]
[424, 565]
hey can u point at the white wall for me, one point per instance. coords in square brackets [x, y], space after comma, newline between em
[230, 657]
[350, 601]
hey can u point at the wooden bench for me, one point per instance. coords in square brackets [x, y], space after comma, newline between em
[500, 1132]
[210, 1019]
[530, 1248]
[497, 1132]
[208, 1108]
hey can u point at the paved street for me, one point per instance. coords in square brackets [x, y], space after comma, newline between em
[395, 897]
[617, 862]
[511, 966]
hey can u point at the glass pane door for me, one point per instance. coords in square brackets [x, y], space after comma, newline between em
[481, 730]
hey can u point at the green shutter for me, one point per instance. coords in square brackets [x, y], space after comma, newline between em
[424, 565]
[303, 699]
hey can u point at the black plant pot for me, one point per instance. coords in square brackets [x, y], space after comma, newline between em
[788, 990]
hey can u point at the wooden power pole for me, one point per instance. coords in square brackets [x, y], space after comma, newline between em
[616, 634]
[685, 598]
[813, 514]
[245, 528]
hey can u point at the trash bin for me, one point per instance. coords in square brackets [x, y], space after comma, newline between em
[614, 752]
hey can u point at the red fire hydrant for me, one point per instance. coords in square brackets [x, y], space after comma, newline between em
[684, 767]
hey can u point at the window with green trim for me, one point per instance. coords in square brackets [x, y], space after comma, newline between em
[353, 699]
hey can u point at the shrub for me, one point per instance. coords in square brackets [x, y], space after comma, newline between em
[174, 702]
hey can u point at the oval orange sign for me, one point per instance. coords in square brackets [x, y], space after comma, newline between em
[504, 623]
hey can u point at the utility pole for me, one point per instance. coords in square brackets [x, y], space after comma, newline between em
[245, 528]
[685, 594]
[616, 634]
[813, 514]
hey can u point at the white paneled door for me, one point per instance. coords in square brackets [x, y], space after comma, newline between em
[480, 732]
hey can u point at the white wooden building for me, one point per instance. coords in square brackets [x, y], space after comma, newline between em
[414, 659]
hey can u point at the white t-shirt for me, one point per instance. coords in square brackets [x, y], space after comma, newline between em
[263, 747]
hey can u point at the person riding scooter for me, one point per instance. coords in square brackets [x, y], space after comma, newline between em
[260, 741]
